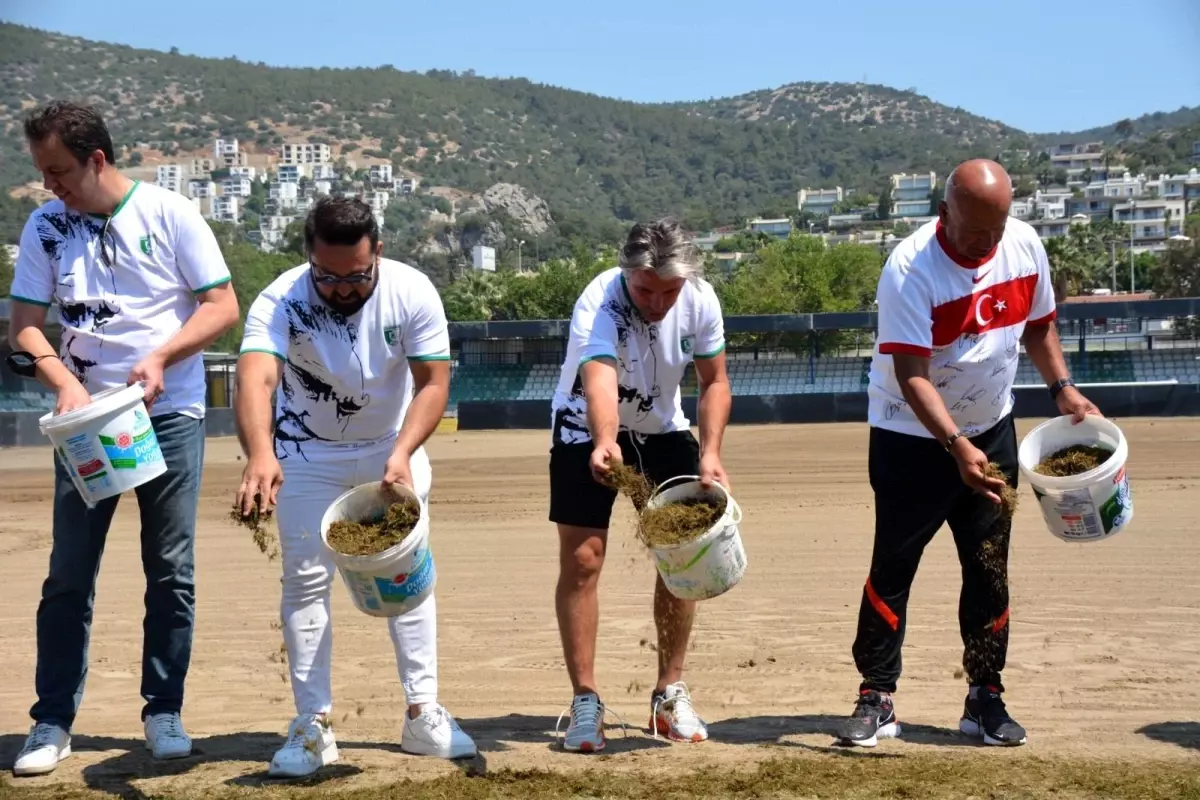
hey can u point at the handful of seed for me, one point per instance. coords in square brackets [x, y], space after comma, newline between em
[1008, 495]
[256, 522]
[670, 524]
[1074, 460]
[367, 539]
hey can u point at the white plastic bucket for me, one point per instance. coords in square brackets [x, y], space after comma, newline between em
[710, 564]
[109, 445]
[1088, 507]
[400, 578]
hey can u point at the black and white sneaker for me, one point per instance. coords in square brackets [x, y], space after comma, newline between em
[874, 718]
[984, 716]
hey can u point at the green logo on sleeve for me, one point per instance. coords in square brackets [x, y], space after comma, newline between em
[147, 244]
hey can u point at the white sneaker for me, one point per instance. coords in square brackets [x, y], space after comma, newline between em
[585, 733]
[46, 746]
[165, 737]
[309, 747]
[435, 733]
[672, 716]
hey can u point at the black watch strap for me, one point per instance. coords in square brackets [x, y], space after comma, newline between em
[1059, 385]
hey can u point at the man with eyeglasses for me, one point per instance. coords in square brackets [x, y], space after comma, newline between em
[358, 347]
[141, 288]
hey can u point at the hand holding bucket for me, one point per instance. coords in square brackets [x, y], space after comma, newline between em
[1092, 505]
[108, 446]
[712, 563]
[396, 580]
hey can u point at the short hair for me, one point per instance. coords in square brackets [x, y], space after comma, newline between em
[662, 247]
[81, 129]
[340, 221]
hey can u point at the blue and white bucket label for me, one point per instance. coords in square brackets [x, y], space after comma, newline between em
[404, 586]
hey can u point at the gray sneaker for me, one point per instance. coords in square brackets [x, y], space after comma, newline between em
[585, 734]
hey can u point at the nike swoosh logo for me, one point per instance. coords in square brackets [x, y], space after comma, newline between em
[978, 278]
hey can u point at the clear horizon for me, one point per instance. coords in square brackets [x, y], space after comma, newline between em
[701, 50]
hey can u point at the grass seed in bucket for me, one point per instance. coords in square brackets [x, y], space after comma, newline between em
[1074, 460]
[671, 524]
[365, 539]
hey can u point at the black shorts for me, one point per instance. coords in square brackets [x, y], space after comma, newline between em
[576, 498]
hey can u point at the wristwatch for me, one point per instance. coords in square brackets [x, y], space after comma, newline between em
[953, 437]
[1059, 385]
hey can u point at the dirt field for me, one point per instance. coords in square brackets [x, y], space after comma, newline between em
[1102, 664]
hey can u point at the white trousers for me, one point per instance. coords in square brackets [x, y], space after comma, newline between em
[308, 575]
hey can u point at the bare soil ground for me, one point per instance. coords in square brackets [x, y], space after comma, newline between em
[1101, 669]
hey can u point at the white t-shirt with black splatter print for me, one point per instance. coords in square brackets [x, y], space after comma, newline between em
[651, 358]
[346, 382]
[117, 307]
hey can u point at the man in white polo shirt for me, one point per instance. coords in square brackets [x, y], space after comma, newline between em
[956, 299]
[633, 332]
[358, 347]
[141, 288]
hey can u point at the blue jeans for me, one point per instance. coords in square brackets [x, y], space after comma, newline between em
[167, 506]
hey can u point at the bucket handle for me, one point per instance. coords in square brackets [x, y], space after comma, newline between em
[735, 510]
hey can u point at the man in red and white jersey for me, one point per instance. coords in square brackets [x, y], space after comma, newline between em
[956, 299]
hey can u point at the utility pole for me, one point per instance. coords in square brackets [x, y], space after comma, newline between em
[1132, 228]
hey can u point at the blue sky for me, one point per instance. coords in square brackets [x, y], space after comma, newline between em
[1039, 65]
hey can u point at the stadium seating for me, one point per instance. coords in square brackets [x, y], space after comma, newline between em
[757, 376]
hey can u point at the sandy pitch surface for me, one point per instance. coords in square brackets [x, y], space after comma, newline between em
[1102, 662]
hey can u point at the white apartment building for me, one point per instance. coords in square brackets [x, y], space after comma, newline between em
[910, 194]
[780, 228]
[200, 167]
[270, 239]
[170, 176]
[1150, 221]
[289, 173]
[1125, 186]
[1180, 187]
[224, 209]
[323, 187]
[405, 185]
[324, 172]
[223, 148]
[1101, 196]
[305, 153]
[819, 201]
[304, 204]
[249, 173]
[275, 222]
[226, 153]
[236, 187]
[199, 188]
[378, 201]
[380, 174]
[1046, 205]
[283, 196]
[1075, 158]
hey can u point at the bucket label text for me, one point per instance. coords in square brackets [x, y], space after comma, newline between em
[405, 586]
[131, 451]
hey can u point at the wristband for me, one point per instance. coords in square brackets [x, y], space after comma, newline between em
[1059, 385]
[953, 437]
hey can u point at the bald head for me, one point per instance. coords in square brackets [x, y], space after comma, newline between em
[975, 211]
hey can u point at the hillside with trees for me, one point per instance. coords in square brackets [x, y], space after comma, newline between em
[590, 158]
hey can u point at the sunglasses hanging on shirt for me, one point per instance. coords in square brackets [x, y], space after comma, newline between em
[25, 364]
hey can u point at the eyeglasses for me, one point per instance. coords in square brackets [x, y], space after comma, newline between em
[329, 279]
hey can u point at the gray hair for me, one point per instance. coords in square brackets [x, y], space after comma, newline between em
[662, 247]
